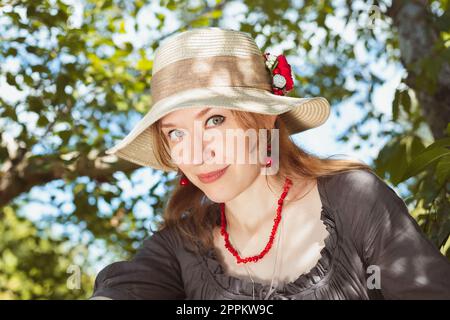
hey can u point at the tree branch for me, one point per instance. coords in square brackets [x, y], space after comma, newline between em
[17, 178]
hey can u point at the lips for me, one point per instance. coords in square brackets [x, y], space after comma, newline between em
[212, 176]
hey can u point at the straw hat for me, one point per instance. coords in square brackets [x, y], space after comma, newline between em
[219, 68]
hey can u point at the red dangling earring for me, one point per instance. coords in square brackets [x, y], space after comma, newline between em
[184, 181]
[269, 158]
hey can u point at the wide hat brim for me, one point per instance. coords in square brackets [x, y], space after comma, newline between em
[298, 114]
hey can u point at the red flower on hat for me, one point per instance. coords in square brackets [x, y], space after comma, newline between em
[281, 73]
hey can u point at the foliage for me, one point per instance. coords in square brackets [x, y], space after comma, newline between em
[77, 77]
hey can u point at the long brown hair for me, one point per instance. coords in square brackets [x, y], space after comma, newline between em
[189, 210]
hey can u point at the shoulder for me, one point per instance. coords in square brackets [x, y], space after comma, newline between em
[159, 246]
[354, 177]
[153, 272]
[164, 240]
[357, 189]
[363, 201]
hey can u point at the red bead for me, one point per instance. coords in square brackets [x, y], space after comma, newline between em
[184, 181]
[268, 162]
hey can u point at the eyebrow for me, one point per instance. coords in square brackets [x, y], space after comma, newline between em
[198, 115]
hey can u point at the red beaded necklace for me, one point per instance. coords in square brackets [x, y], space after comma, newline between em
[223, 231]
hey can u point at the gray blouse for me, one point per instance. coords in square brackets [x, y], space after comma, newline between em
[374, 250]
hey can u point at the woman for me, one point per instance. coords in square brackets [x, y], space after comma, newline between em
[287, 226]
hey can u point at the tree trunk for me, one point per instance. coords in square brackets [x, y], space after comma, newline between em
[417, 38]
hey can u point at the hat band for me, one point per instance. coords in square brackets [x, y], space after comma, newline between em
[216, 71]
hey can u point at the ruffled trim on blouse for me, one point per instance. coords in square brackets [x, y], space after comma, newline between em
[306, 281]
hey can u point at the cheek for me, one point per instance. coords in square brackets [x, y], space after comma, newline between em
[246, 174]
[238, 149]
[185, 171]
[237, 179]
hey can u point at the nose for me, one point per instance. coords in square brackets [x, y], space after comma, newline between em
[209, 154]
[205, 148]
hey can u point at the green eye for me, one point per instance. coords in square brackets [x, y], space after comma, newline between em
[175, 134]
[215, 120]
[178, 134]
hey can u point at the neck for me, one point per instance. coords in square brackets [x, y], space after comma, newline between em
[256, 206]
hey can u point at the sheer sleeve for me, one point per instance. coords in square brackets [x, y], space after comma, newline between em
[410, 266]
[153, 273]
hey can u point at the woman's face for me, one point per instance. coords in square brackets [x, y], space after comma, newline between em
[210, 140]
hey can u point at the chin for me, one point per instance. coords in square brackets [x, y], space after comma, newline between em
[217, 195]
[217, 199]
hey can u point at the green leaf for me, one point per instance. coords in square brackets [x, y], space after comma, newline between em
[42, 121]
[161, 16]
[35, 104]
[416, 147]
[122, 27]
[431, 154]
[443, 170]
[396, 105]
[39, 68]
[392, 158]
[65, 135]
[443, 22]
[11, 52]
[171, 5]
[11, 79]
[122, 106]
[216, 14]
[398, 165]
[275, 64]
[144, 64]
[406, 101]
[200, 22]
